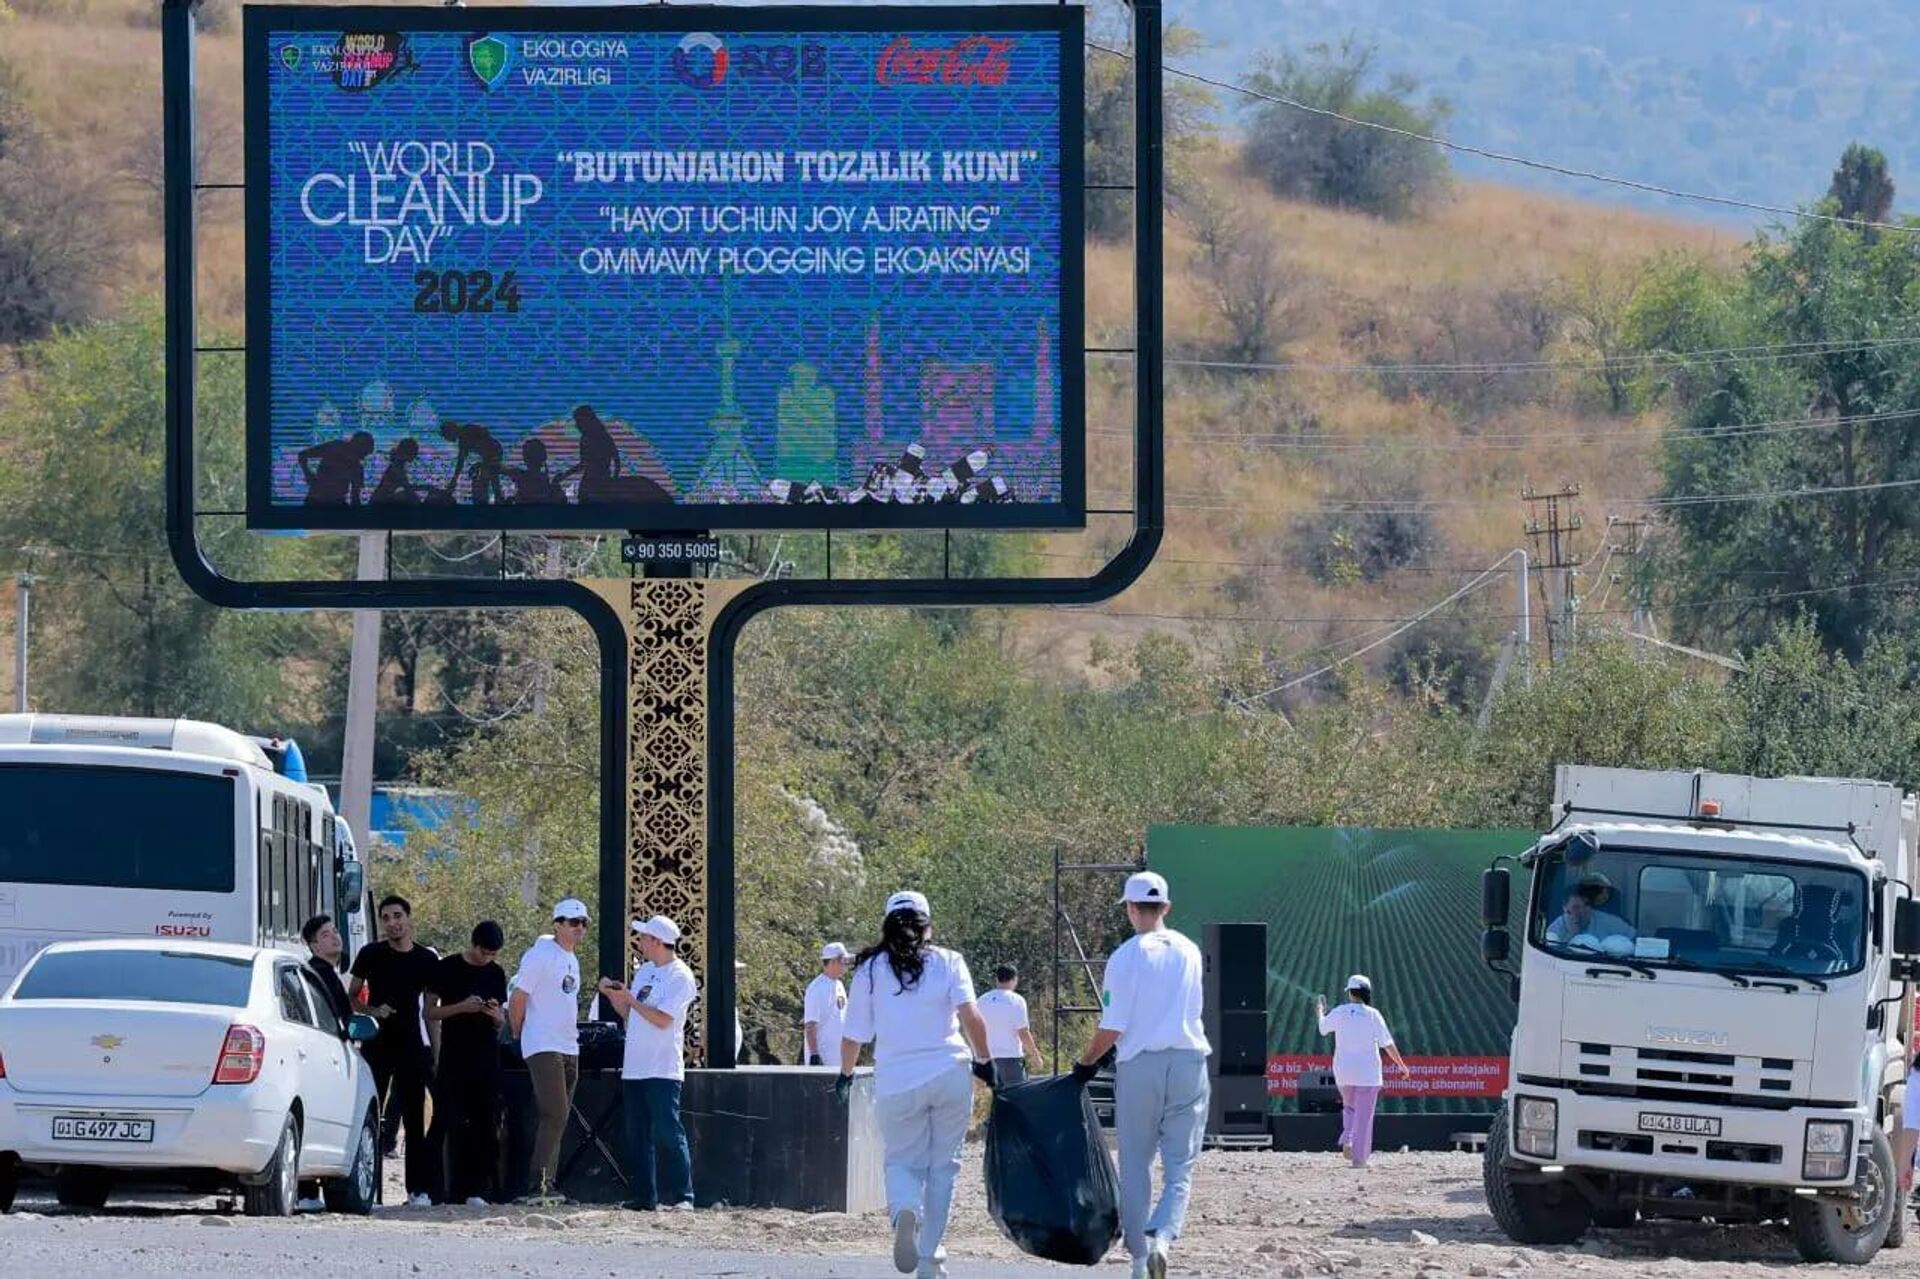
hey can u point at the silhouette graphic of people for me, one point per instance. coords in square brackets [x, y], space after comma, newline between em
[473, 438]
[336, 470]
[532, 486]
[395, 485]
[599, 467]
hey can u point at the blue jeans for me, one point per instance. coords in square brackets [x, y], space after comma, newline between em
[654, 1134]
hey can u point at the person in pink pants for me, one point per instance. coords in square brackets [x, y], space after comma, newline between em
[1360, 1035]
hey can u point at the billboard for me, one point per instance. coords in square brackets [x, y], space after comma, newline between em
[664, 269]
[1401, 906]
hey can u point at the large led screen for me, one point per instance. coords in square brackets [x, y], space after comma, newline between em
[663, 268]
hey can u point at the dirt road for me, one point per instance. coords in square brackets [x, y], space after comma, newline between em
[1410, 1216]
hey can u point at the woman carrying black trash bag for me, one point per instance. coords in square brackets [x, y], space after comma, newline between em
[912, 1000]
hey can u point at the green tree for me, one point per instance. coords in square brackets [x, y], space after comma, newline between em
[1316, 157]
[1831, 298]
[1187, 116]
[81, 502]
[1862, 187]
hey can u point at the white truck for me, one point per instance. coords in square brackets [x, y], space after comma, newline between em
[1713, 1007]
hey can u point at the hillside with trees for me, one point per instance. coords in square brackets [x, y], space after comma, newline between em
[1372, 354]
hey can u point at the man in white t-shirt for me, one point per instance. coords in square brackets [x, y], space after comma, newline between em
[1009, 1035]
[656, 1010]
[825, 1008]
[1150, 1014]
[544, 1011]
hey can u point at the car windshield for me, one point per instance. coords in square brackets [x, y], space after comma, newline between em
[155, 976]
[1685, 910]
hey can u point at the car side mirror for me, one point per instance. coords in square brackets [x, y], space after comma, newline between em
[1495, 888]
[362, 1028]
[1493, 945]
[1906, 927]
[353, 884]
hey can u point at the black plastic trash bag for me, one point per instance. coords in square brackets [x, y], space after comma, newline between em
[1050, 1181]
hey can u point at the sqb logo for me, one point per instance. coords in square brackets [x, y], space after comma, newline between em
[705, 61]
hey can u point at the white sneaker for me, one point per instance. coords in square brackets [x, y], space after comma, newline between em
[310, 1205]
[419, 1201]
[906, 1241]
[682, 1206]
[931, 1270]
[477, 1202]
[1156, 1257]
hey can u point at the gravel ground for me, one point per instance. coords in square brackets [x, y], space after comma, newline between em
[1266, 1214]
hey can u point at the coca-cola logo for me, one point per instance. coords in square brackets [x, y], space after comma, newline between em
[975, 60]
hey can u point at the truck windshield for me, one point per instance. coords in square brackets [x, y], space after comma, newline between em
[1684, 910]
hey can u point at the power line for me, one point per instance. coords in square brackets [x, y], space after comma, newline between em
[1506, 157]
[1652, 359]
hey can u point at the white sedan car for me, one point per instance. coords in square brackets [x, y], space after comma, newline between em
[195, 1062]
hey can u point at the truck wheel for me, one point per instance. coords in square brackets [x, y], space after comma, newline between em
[279, 1190]
[78, 1186]
[1897, 1225]
[1529, 1213]
[355, 1193]
[1849, 1232]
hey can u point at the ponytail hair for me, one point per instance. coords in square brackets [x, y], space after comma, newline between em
[903, 940]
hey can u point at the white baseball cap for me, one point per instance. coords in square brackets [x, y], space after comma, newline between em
[1146, 888]
[834, 950]
[1359, 982]
[660, 928]
[570, 908]
[907, 899]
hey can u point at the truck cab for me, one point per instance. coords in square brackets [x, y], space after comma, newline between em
[1712, 1008]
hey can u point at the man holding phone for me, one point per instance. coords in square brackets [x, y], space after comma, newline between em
[468, 1005]
[664, 988]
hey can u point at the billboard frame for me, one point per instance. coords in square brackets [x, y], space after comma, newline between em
[260, 24]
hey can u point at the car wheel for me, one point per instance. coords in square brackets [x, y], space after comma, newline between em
[79, 1186]
[279, 1188]
[9, 1181]
[356, 1192]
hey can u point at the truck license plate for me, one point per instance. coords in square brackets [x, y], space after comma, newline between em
[1683, 1125]
[89, 1128]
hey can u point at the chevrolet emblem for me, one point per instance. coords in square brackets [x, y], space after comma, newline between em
[106, 1043]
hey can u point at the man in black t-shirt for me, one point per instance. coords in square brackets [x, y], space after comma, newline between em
[323, 957]
[470, 1006]
[389, 977]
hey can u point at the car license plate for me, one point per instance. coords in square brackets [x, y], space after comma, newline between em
[1680, 1125]
[91, 1128]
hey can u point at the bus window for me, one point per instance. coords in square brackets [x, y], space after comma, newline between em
[70, 825]
[275, 923]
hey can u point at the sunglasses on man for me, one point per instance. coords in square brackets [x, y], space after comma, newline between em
[576, 923]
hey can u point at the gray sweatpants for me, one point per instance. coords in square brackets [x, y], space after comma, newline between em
[1159, 1104]
[922, 1132]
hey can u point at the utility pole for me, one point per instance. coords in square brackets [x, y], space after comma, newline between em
[23, 611]
[363, 678]
[1632, 544]
[1552, 533]
[1523, 632]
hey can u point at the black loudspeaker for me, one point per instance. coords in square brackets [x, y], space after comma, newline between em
[1318, 1094]
[1235, 1008]
[1237, 1107]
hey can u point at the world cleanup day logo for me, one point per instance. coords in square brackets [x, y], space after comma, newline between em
[487, 58]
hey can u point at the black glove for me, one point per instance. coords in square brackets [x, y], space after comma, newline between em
[1084, 1074]
[842, 1088]
[814, 1060]
[983, 1071]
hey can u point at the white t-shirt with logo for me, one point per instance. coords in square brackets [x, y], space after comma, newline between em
[1359, 1033]
[1152, 995]
[1006, 1016]
[550, 974]
[914, 1033]
[658, 1052]
[826, 1007]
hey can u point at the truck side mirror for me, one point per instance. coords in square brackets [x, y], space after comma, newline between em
[1493, 945]
[1494, 891]
[1906, 927]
